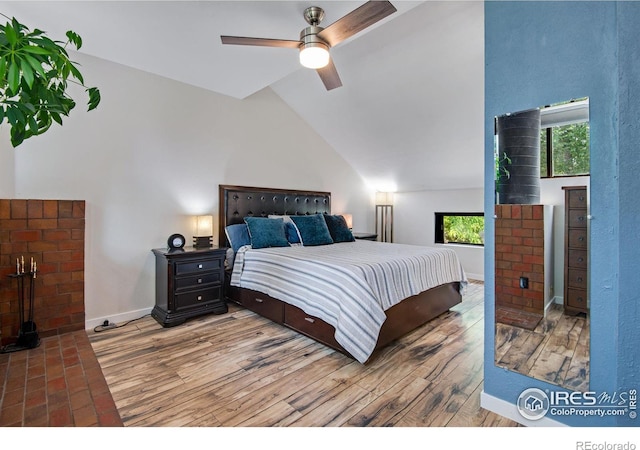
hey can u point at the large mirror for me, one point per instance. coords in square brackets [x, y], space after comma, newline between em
[541, 243]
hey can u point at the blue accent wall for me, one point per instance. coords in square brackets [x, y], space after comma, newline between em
[538, 53]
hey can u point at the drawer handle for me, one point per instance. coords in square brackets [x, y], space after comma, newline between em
[580, 259]
[199, 266]
[579, 279]
[580, 300]
[309, 319]
[199, 297]
[199, 280]
[581, 198]
[259, 300]
[581, 218]
[581, 238]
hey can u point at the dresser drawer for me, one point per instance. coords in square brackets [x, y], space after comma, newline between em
[202, 265]
[578, 218]
[301, 321]
[578, 238]
[198, 297]
[577, 259]
[577, 298]
[578, 198]
[263, 304]
[196, 281]
[577, 278]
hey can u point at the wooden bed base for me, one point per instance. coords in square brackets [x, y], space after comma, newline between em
[236, 202]
[402, 318]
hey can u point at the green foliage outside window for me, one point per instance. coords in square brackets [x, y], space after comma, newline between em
[569, 150]
[464, 229]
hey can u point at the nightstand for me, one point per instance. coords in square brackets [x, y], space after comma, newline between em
[189, 283]
[365, 236]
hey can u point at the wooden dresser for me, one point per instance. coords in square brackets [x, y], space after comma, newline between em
[189, 282]
[576, 250]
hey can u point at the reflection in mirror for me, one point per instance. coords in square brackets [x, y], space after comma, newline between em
[541, 243]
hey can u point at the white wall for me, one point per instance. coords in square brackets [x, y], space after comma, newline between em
[151, 156]
[6, 163]
[414, 221]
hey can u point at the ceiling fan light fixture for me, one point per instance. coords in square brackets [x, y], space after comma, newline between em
[314, 55]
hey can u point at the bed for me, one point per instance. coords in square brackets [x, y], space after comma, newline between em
[354, 296]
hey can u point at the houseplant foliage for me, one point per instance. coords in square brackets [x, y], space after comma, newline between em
[34, 74]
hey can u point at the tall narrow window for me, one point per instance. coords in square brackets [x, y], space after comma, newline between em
[459, 228]
[564, 139]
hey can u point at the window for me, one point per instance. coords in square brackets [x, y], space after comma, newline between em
[460, 228]
[564, 139]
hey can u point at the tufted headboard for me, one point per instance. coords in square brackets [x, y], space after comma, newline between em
[238, 202]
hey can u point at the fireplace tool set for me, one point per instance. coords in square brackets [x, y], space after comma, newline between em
[27, 333]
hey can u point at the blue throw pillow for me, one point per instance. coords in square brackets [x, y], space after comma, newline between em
[338, 228]
[292, 233]
[237, 235]
[313, 230]
[266, 232]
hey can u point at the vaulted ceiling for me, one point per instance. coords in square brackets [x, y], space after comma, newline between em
[409, 115]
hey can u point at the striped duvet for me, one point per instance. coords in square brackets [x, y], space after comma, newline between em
[348, 285]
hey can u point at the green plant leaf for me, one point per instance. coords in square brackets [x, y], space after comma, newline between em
[36, 50]
[75, 39]
[10, 33]
[27, 72]
[14, 77]
[75, 72]
[3, 69]
[94, 98]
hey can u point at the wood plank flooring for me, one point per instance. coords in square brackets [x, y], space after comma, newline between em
[556, 351]
[241, 370]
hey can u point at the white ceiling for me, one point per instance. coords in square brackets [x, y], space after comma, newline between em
[408, 117]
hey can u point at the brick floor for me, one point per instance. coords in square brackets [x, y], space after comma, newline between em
[58, 384]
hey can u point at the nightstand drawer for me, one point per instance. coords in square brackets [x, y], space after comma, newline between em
[197, 280]
[203, 265]
[198, 298]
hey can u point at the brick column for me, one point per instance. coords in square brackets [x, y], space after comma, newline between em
[52, 233]
[519, 240]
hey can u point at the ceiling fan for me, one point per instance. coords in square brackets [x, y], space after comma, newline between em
[315, 41]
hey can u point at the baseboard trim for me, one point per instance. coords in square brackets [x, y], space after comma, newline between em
[117, 318]
[509, 410]
[475, 276]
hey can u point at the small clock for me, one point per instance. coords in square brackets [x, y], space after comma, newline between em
[175, 241]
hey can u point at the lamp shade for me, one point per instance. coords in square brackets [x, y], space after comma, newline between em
[204, 226]
[384, 198]
[349, 219]
[314, 55]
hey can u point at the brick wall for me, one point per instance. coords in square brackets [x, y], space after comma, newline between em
[52, 233]
[519, 241]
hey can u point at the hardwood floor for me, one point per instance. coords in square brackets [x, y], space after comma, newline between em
[240, 370]
[556, 351]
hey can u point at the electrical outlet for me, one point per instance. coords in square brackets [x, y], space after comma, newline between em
[524, 283]
[107, 325]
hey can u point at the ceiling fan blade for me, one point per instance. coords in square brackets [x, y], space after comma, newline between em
[329, 76]
[262, 42]
[356, 21]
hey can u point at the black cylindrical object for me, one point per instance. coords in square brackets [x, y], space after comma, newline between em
[519, 156]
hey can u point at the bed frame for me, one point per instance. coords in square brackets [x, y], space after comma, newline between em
[237, 202]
